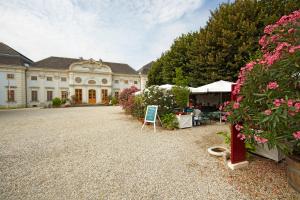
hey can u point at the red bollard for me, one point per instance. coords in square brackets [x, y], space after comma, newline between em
[238, 150]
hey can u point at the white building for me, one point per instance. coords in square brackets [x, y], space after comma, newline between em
[143, 72]
[27, 83]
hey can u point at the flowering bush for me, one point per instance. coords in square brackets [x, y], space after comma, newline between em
[267, 108]
[126, 99]
[138, 108]
[153, 95]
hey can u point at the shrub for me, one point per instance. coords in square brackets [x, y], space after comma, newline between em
[169, 121]
[126, 99]
[181, 96]
[56, 102]
[138, 109]
[114, 101]
[153, 95]
[267, 108]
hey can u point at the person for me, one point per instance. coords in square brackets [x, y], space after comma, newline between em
[196, 116]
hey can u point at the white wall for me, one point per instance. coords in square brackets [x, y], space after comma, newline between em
[17, 84]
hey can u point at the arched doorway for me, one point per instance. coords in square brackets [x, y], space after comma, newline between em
[92, 96]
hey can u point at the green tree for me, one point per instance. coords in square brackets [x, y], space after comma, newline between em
[226, 43]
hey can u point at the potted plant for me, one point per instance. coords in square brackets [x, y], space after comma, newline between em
[268, 89]
[181, 93]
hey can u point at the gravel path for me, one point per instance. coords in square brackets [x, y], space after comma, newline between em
[100, 153]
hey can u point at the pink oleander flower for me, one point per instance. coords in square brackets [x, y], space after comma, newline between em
[268, 112]
[239, 99]
[270, 28]
[280, 46]
[241, 136]
[272, 58]
[294, 48]
[249, 66]
[291, 30]
[263, 41]
[238, 127]
[236, 105]
[228, 113]
[290, 103]
[220, 107]
[260, 140]
[224, 118]
[297, 106]
[274, 38]
[296, 135]
[272, 85]
[277, 102]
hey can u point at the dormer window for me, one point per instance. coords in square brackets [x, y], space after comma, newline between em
[49, 78]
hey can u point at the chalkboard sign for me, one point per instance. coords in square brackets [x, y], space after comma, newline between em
[150, 115]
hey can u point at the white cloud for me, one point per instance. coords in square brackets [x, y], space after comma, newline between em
[134, 32]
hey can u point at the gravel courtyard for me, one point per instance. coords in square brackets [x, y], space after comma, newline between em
[100, 153]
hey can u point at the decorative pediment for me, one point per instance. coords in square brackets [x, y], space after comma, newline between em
[90, 66]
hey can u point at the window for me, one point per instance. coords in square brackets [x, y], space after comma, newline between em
[116, 81]
[10, 95]
[117, 94]
[104, 81]
[64, 95]
[49, 95]
[64, 79]
[33, 78]
[34, 95]
[49, 78]
[126, 81]
[135, 82]
[10, 76]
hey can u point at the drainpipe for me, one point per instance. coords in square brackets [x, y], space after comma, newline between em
[26, 68]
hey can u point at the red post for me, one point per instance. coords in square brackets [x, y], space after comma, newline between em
[238, 150]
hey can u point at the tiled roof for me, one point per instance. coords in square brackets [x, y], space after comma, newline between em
[9, 56]
[64, 64]
[145, 69]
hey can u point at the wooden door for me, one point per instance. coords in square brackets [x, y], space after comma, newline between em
[92, 96]
[78, 96]
[104, 96]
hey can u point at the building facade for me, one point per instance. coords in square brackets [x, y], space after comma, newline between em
[27, 83]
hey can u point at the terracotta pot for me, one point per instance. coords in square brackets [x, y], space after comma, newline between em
[293, 171]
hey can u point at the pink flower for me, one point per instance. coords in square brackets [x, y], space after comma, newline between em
[296, 135]
[291, 30]
[239, 99]
[224, 118]
[249, 66]
[297, 106]
[268, 112]
[263, 42]
[272, 58]
[269, 29]
[277, 102]
[241, 136]
[272, 85]
[290, 103]
[294, 48]
[236, 105]
[260, 140]
[238, 127]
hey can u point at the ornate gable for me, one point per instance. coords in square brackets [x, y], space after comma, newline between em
[91, 66]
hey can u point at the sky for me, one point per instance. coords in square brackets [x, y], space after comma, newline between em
[125, 31]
